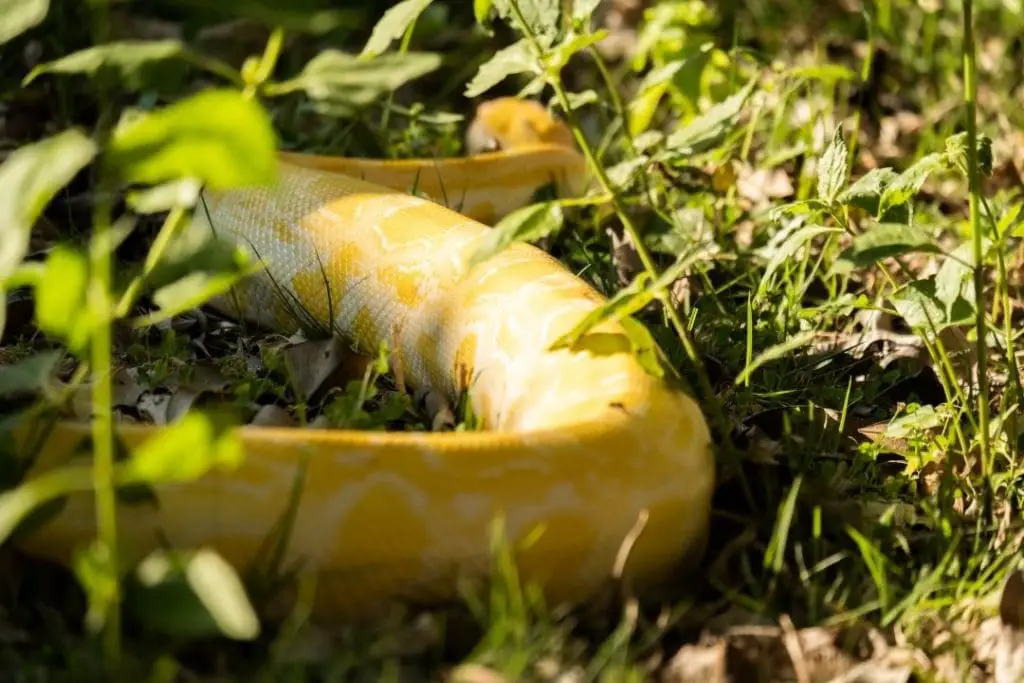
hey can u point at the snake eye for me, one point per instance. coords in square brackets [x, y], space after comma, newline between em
[490, 145]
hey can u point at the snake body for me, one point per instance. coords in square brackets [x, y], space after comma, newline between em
[581, 444]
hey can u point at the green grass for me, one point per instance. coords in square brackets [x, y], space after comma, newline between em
[861, 490]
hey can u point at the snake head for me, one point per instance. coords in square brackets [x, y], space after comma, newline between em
[506, 123]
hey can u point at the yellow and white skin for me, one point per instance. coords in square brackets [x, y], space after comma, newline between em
[579, 444]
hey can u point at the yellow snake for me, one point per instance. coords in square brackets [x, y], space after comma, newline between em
[603, 459]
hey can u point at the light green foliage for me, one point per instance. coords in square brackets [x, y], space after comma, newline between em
[61, 309]
[517, 58]
[709, 127]
[31, 375]
[216, 136]
[525, 224]
[185, 450]
[395, 22]
[29, 179]
[339, 84]
[134, 64]
[832, 173]
[18, 16]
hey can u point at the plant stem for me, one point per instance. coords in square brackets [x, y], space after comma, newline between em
[101, 307]
[175, 218]
[99, 302]
[970, 100]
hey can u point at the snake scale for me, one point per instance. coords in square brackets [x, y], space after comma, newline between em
[581, 444]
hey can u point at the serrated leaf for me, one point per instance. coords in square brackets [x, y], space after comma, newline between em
[524, 224]
[708, 128]
[628, 300]
[30, 375]
[886, 241]
[185, 450]
[517, 58]
[956, 153]
[392, 25]
[919, 306]
[341, 84]
[136, 64]
[61, 311]
[217, 137]
[541, 16]
[909, 183]
[29, 180]
[832, 167]
[867, 191]
[954, 281]
[18, 16]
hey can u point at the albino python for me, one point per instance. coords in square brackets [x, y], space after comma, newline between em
[607, 459]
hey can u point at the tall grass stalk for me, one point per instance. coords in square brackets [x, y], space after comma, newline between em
[974, 185]
[100, 302]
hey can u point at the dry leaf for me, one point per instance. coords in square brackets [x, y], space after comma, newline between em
[703, 663]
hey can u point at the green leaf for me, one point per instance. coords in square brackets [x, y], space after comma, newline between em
[18, 16]
[540, 16]
[191, 595]
[482, 11]
[866, 192]
[222, 593]
[775, 353]
[832, 168]
[643, 346]
[886, 241]
[524, 224]
[61, 310]
[825, 73]
[629, 299]
[306, 16]
[185, 450]
[136, 64]
[560, 54]
[954, 282]
[30, 375]
[189, 293]
[217, 137]
[909, 183]
[183, 193]
[920, 307]
[708, 128]
[583, 10]
[956, 153]
[395, 22]
[652, 89]
[29, 179]
[786, 249]
[340, 84]
[517, 58]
